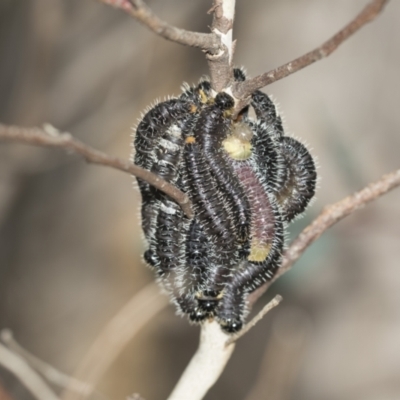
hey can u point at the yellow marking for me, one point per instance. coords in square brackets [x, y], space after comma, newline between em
[228, 113]
[259, 252]
[203, 96]
[200, 296]
[220, 295]
[190, 140]
[237, 148]
[193, 108]
[238, 144]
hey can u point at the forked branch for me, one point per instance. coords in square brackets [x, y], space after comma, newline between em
[139, 10]
[219, 46]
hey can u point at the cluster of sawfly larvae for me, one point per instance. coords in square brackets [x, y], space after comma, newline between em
[246, 181]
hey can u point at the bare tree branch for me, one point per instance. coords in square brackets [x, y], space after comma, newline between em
[50, 373]
[242, 90]
[139, 10]
[113, 338]
[329, 216]
[206, 365]
[50, 137]
[28, 377]
[220, 64]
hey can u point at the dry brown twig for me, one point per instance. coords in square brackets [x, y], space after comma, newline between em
[51, 137]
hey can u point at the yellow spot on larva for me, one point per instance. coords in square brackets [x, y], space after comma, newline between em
[237, 148]
[190, 140]
[258, 252]
[193, 108]
[238, 144]
[203, 96]
[228, 113]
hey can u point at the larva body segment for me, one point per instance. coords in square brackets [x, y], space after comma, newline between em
[211, 130]
[266, 111]
[149, 132]
[211, 213]
[299, 186]
[269, 158]
[265, 246]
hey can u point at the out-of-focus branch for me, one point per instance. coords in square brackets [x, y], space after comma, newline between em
[139, 10]
[118, 332]
[28, 377]
[282, 358]
[4, 394]
[50, 137]
[243, 90]
[206, 365]
[329, 216]
[46, 370]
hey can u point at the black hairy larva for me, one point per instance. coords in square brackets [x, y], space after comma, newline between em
[211, 129]
[211, 213]
[245, 180]
[301, 177]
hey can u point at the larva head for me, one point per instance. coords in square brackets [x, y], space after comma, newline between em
[224, 101]
[231, 325]
[198, 315]
[208, 300]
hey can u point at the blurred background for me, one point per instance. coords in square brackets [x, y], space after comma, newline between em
[70, 241]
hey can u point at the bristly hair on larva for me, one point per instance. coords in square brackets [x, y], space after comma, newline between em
[246, 181]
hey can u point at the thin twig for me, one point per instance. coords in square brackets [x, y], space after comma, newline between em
[113, 338]
[243, 90]
[48, 371]
[266, 309]
[50, 137]
[139, 10]
[28, 377]
[329, 216]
